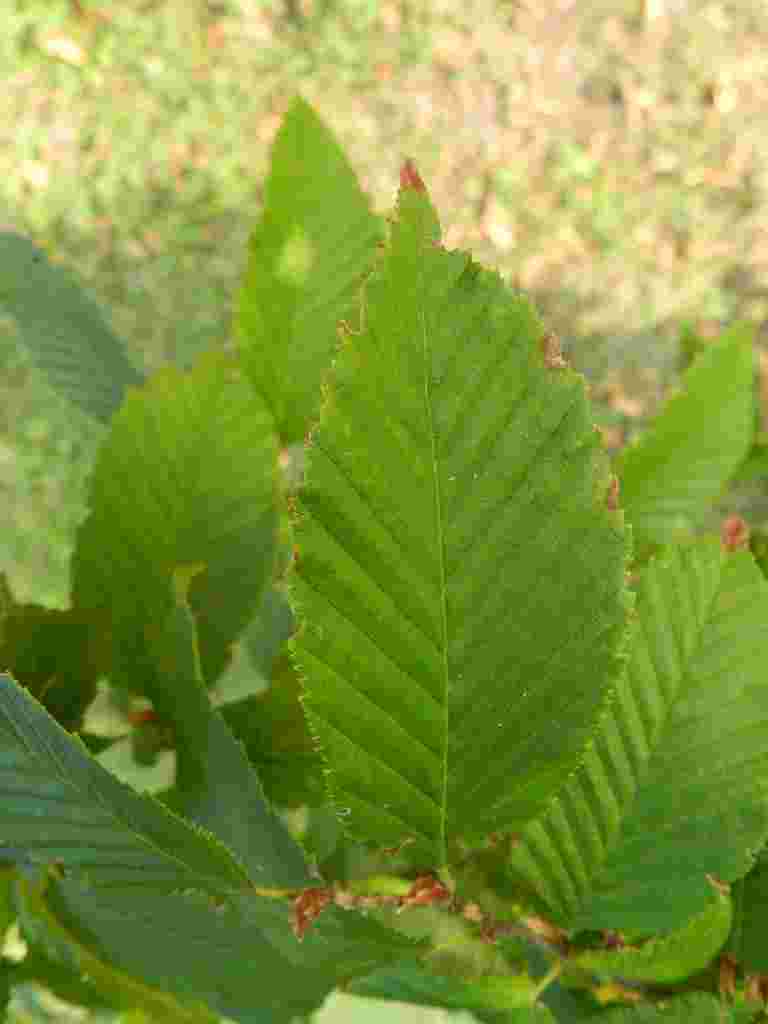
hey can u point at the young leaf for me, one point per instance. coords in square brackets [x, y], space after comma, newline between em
[460, 578]
[187, 476]
[660, 799]
[58, 805]
[242, 960]
[683, 462]
[315, 242]
[63, 330]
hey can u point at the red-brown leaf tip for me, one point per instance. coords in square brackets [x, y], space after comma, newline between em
[410, 177]
[734, 533]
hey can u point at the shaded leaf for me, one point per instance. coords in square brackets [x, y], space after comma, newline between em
[57, 654]
[66, 959]
[460, 577]
[64, 330]
[186, 477]
[242, 960]
[681, 464]
[66, 983]
[58, 805]
[408, 983]
[749, 940]
[698, 1006]
[314, 244]
[565, 1005]
[216, 785]
[268, 634]
[273, 728]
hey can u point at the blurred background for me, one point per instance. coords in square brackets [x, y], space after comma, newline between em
[608, 157]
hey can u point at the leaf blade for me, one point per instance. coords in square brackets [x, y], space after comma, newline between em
[240, 959]
[63, 330]
[169, 490]
[493, 453]
[659, 803]
[315, 242]
[561, 852]
[685, 459]
[215, 783]
[94, 824]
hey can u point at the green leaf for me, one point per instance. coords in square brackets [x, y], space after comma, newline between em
[67, 957]
[186, 477]
[683, 462]
[407, 983]
[669, 958]
[217, 786]
[749, 940]
[63, 330]
[273, 727]
[58, 805]
[569, 1005]
[661, 799]
[460, 578]
[702, 806]
[315, 242]
[698, 1006]
[269, 632]
[561, 852]
[66, 983]
[55, 654]
[242, 960]
[7, 911]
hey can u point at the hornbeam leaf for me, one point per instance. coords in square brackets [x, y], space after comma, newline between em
[749, 939]
[460, 578]
[241, 959]
[700, 1007]
[561, 852]
[315, 242]
[687, 456]
[187, 476]
[216, 784]
[702, 807]
[66, 962]
[668, 958]
[661, 799]
[63, 330]
[407, 983]
[59, 806]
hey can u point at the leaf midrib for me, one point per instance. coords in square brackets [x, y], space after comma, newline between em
[442, 581]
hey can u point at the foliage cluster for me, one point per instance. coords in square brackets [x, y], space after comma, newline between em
[461, 711]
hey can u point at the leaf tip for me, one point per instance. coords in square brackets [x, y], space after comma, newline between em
[552, 352]
[734, 533]
[410, 177]
[612, 497]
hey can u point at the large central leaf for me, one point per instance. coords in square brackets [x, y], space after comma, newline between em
[460, 569]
